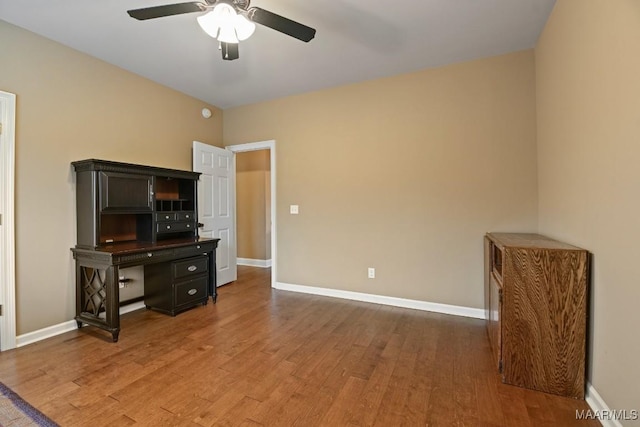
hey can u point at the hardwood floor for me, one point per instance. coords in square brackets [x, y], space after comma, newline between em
[275, 358]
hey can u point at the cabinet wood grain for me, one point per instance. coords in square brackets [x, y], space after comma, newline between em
[537, 292]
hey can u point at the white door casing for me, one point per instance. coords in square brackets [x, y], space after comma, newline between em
[7, 221]
[216, 205]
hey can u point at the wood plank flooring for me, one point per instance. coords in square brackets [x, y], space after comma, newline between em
[262, 357]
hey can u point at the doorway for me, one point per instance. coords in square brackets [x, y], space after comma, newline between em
[253, 208]
[7, 221]
[268, 148]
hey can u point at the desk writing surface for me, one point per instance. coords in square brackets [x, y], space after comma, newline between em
[138, 246]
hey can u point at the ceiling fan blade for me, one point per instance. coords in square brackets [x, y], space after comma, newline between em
[282, 24]
[229, 51]
[166, 10]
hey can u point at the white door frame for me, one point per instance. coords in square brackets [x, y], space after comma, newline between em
[271, 146]
[7, 229]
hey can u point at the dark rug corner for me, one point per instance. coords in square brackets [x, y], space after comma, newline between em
[15, 411]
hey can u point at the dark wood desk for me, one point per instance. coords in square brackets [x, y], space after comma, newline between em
[97, 273]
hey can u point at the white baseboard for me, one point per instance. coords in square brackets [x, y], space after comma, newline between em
[477, 313]
[262, 263]
[61, 328]
[44, 333]
[599, 406]
[132, 307]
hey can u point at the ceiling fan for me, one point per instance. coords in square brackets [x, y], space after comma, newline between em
[229, 21]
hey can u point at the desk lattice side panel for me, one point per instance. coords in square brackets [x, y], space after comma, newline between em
[94, 294]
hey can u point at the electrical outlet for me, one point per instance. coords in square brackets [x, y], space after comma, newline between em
[371, 272]
[293, 209]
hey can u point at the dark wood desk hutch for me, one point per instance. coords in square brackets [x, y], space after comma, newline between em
[536, 311]
[130, 215]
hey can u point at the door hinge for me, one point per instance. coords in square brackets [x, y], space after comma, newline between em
[0, 128]
[0, 309]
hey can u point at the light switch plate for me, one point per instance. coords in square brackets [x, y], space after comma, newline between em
[293, 209]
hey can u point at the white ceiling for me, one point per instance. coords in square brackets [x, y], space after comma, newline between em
[356, 40]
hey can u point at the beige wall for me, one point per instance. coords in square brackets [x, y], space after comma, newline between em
[253, 205]
[70, 107]
[588, 106]
[403, 174]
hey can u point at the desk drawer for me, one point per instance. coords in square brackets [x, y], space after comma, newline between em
[190, 267]
[165, 216]
[193, 250]
[185, 216]
[174, 227]
[192, 291]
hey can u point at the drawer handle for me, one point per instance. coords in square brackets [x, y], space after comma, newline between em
[168, 227]
[149, 254]
[192, 268]
[192, 291]
[187, 216]
[166, 217]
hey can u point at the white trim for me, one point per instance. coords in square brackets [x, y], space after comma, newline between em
[271, 146]
[7, 229]
[44, 333]
[61, 328]
[599, 406]
[262, 263]
[455, 310]
[132, 307]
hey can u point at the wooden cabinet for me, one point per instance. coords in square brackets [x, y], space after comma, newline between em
[536, 293]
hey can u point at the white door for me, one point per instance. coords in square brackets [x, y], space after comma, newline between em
[216, 205]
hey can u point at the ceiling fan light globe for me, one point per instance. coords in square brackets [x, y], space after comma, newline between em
[244, 27]
[224, 12]
[210, 23]
[227, 34]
